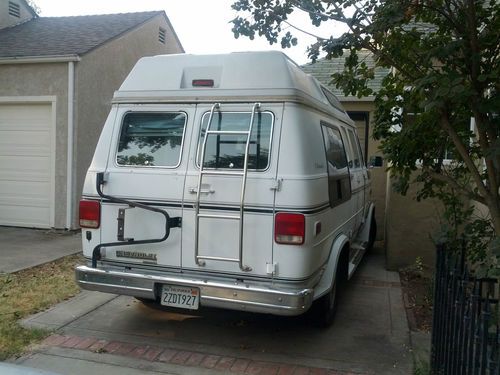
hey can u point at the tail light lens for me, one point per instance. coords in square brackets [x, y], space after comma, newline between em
[289, 228]
[90, 214]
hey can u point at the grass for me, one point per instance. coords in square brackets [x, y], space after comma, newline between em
[27, 292]
[422, 368]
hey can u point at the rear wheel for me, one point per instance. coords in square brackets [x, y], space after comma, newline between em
[326, 307]
[373, 233]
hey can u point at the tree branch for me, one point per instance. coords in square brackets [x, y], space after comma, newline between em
[303, 31]
[449, 180]
[447, 127]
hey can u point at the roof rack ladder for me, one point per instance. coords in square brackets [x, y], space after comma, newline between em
[199, 259]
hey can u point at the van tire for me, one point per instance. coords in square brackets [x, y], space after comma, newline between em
[325, 308]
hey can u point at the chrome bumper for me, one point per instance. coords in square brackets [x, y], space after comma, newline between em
[220, 294]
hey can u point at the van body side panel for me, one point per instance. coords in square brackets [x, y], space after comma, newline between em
[303, 168]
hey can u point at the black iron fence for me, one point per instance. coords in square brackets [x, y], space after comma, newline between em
[465, 334]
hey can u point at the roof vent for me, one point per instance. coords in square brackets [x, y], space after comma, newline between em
[161, 35]
[14, 9]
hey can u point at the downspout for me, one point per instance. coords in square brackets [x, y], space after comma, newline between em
[69, 156]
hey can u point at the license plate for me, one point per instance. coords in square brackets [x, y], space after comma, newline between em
[180, 297]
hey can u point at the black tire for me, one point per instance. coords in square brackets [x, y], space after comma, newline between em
[373, 234]
[325, 308]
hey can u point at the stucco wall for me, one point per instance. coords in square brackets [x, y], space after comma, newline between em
[41, 80]
[98, 75]
[7, 20]
[410, 228]
[378, 175]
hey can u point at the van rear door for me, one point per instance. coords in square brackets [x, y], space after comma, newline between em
[211, 242]
[147, 163]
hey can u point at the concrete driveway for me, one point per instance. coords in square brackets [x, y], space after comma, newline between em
[22, 248]
[101, 333]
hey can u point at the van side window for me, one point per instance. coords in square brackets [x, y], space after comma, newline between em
[339, 181]
[360, 151]
[356, 163]
[227, 151]
[151, 139]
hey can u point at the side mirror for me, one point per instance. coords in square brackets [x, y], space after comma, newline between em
[376, 162]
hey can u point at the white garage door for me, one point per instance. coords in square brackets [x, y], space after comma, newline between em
[26, 165]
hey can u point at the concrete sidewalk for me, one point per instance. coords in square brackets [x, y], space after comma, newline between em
[22, 248]
[97, 333]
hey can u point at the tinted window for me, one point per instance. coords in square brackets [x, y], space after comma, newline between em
[339, 181]
[335, 152]
[227, 150]
[151, 139]
[357, 159]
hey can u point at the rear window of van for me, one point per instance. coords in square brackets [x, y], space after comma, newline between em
[227, 151]
[151, 139]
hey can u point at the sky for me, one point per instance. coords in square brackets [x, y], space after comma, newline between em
[202, 25]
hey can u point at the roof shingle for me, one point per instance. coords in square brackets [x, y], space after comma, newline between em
[323, 69]
[60, 36]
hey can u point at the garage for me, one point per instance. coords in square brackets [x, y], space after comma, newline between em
[27, 164]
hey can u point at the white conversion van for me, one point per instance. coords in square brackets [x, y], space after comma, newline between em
[234, 181]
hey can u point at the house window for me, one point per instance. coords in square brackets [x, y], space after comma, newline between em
[161, 35]
[14, 10]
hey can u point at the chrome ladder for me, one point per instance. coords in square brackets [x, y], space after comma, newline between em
[199, 259]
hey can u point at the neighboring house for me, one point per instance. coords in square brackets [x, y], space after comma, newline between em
[57, 78]
[405, 225]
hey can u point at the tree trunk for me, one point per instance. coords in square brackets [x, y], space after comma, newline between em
[495, 216]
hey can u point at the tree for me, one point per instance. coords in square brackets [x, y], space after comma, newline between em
[444, 56]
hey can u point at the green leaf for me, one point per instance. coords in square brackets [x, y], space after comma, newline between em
[494, 246]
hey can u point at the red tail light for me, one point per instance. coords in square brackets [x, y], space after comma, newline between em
[90, 214]
[203, 83]
[289, 228]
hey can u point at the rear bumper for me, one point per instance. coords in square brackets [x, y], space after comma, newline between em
[221, 294]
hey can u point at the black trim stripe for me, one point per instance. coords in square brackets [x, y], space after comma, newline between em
[250, 209]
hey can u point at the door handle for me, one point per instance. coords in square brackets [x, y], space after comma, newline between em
[194, 190]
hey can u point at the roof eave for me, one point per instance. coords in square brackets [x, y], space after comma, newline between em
[344, 99]
[31, 9]
[38, 59]
[136, 26]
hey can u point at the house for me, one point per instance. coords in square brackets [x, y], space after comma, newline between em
[405, 225]
[57, 78]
